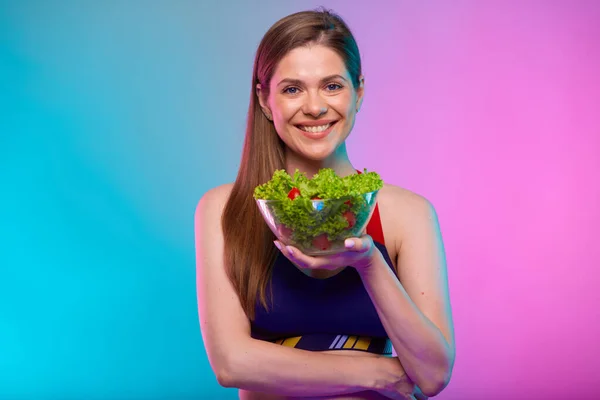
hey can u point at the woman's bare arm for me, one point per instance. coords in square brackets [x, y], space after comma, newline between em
[415, 310]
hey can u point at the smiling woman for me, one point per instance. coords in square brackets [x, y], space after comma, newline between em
[279, 324]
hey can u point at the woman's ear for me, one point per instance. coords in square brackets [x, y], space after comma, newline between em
[263, 104]
[360, 92]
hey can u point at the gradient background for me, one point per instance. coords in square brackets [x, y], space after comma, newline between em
[115, 118]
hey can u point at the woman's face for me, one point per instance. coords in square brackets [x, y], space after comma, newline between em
[312, 101]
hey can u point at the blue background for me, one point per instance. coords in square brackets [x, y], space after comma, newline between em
[115, 118]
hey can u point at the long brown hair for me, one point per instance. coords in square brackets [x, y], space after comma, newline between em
[249, 249]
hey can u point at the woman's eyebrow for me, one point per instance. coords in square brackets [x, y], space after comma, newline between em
[299, 82]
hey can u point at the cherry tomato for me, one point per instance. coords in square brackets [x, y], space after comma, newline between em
[284, 231]
[321, 242]
[295, 192]
[350, 217]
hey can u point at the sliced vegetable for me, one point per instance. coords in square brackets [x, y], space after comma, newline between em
[321, 242]
[350, 217]
[292, 194]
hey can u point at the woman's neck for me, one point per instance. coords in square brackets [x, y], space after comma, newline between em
[338, 161]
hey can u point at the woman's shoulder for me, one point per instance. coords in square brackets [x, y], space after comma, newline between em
[218, 192]
[213, 200]
[402, 198]
[403, 208]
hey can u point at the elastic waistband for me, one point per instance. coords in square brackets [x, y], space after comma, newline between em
[323, 342]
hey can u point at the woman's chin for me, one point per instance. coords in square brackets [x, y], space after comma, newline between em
[319, 153]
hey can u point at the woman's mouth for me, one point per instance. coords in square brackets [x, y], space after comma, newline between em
[318, 131]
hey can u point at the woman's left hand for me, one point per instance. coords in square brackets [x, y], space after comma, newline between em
[359, 253]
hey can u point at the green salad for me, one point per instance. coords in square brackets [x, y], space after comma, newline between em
[314, 224]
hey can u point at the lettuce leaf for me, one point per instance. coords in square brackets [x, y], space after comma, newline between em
[325, 184]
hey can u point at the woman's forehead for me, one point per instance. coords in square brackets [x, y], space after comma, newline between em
[309, 64]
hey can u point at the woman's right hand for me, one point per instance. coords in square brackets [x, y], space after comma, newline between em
[393, 383]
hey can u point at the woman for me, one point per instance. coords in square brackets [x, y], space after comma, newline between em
[279, 324]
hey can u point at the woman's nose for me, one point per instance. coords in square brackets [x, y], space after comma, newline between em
[315, 105]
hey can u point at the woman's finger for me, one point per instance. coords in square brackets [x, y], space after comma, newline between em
[359, 245]
[296, 256]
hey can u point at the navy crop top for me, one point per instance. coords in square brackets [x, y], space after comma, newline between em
[314, 314]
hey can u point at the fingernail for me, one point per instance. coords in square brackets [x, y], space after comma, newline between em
[290, 251]
[277, 244]
[348, 243]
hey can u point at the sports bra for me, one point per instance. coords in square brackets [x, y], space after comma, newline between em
[334, 313]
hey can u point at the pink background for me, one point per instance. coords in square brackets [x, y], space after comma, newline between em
[491, 110]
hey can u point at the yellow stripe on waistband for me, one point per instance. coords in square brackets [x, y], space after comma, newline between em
[362, 343]
[291, 342]
[350, 342]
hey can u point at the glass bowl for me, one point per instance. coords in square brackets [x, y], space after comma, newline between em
[318, 227]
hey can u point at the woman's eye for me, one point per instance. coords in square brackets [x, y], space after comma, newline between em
[334, 86]
[290, 90]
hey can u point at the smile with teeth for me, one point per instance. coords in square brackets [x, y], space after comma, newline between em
[315, 129]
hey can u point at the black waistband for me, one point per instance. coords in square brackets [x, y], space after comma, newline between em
[324, 342]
